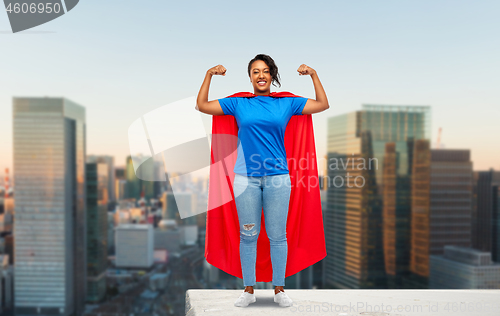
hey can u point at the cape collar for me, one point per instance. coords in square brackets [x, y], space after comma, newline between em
[282, 94]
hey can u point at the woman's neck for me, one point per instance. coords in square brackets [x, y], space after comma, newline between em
[262, 93]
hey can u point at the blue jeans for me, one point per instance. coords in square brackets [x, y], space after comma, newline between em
[251, 194]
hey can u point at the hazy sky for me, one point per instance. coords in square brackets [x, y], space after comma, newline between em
[122, 59]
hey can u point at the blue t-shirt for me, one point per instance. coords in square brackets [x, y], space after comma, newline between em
[262, 122]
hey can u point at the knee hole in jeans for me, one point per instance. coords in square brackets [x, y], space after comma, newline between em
[247, 228]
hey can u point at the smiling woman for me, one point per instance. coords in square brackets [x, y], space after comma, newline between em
[262, 177]
[262, 72]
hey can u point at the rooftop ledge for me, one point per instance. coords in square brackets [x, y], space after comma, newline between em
[349, 302]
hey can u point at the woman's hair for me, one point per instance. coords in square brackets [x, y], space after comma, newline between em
[273, 69]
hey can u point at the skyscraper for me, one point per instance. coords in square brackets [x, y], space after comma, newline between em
[120, 183]
[367, 222]
[451, 199]
[50, 226]
[136, 187]
[97, 229]
[420, 215]
[486, 213]
[110, 162]
[441, 206]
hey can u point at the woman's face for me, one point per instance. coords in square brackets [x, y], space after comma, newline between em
[260, 76]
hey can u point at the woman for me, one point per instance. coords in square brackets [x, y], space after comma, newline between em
[261, 173]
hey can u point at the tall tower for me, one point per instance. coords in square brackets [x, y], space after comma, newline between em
[367, 224]
[136, 187]
[50, 226]
[97, 229]
[110, 162]
[485, 215]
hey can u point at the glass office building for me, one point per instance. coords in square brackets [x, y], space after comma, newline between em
[463, 268]
[50, 225]
[367, 223]
[110, 162]
[486, 212]
[419, 244]
[136, 187]
[97, 229]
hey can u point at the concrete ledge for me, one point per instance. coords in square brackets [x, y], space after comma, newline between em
[349, 302]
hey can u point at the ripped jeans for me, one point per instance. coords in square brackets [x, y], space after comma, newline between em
[251, 195]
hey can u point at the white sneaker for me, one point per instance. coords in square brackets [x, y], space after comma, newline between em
[283, 299]
[245, 299]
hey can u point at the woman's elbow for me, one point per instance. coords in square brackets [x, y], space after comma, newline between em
[199, 107]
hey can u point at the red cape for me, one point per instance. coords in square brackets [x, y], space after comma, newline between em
[305, 233]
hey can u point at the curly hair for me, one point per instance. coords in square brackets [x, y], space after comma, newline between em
[273, 69]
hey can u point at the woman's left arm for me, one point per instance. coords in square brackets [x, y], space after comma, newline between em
[321, 102]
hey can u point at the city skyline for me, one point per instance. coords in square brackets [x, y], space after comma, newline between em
[101, 101]
[385, 132]
[378, 53]
[321, 152]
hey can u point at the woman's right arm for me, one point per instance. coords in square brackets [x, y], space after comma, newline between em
[202, 103]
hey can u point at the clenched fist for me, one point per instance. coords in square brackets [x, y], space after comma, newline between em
[306, 70]
[217, 70]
